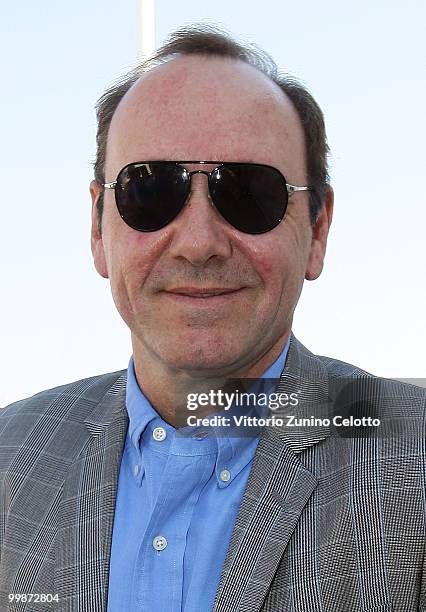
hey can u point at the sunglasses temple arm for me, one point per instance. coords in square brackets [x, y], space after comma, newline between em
[293, 188]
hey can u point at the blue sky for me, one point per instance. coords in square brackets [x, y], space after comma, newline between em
[363, 61]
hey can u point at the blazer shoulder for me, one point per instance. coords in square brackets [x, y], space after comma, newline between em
[56, 402]
[337, 368]
[312, 366]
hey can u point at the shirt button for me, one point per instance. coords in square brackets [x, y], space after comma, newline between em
[136, 470]
[159, 434]
[225, 475]
[159, 542]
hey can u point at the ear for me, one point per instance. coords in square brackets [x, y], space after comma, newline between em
[319, 237]
[96, 241]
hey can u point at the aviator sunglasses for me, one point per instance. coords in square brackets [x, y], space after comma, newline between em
[251, 197]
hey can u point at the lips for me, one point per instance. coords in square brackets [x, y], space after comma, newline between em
[204, 292]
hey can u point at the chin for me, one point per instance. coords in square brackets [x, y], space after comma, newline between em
[200, 358]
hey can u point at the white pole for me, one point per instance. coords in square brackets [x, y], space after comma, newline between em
[147, 27]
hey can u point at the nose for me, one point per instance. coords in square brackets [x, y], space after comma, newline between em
[199, 231]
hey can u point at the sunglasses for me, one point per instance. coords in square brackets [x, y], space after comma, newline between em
[251, 197]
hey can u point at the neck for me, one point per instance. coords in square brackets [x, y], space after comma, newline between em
[167, 388]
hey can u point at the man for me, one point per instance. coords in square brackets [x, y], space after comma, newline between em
[105, 504]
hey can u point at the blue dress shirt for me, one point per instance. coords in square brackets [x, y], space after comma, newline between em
[177, 502]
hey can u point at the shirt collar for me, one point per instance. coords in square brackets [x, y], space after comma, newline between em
[233, 452]
[139, 409]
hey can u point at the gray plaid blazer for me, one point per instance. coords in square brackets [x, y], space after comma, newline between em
[326, 523]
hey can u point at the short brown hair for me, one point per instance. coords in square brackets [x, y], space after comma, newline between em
[211, 41]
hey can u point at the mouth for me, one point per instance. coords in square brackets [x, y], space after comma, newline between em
[202, 292]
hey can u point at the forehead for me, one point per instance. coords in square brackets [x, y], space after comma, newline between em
[197, 107]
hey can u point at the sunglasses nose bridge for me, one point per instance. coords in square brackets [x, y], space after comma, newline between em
[192, 172]
[207, 174]
[198, 172]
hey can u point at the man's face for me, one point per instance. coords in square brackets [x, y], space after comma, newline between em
[197, 108]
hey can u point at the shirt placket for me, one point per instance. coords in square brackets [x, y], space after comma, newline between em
[159, 570]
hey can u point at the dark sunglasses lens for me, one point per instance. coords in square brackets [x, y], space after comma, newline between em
[149, 196]
[251, 197]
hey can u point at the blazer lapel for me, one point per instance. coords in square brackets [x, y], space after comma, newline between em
[87, 508]
[278, 489]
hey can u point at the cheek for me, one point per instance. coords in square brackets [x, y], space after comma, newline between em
[130, 253]
[274, 259]
[267, 266]
[128, 266]
[281, 265]
[263, 252]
